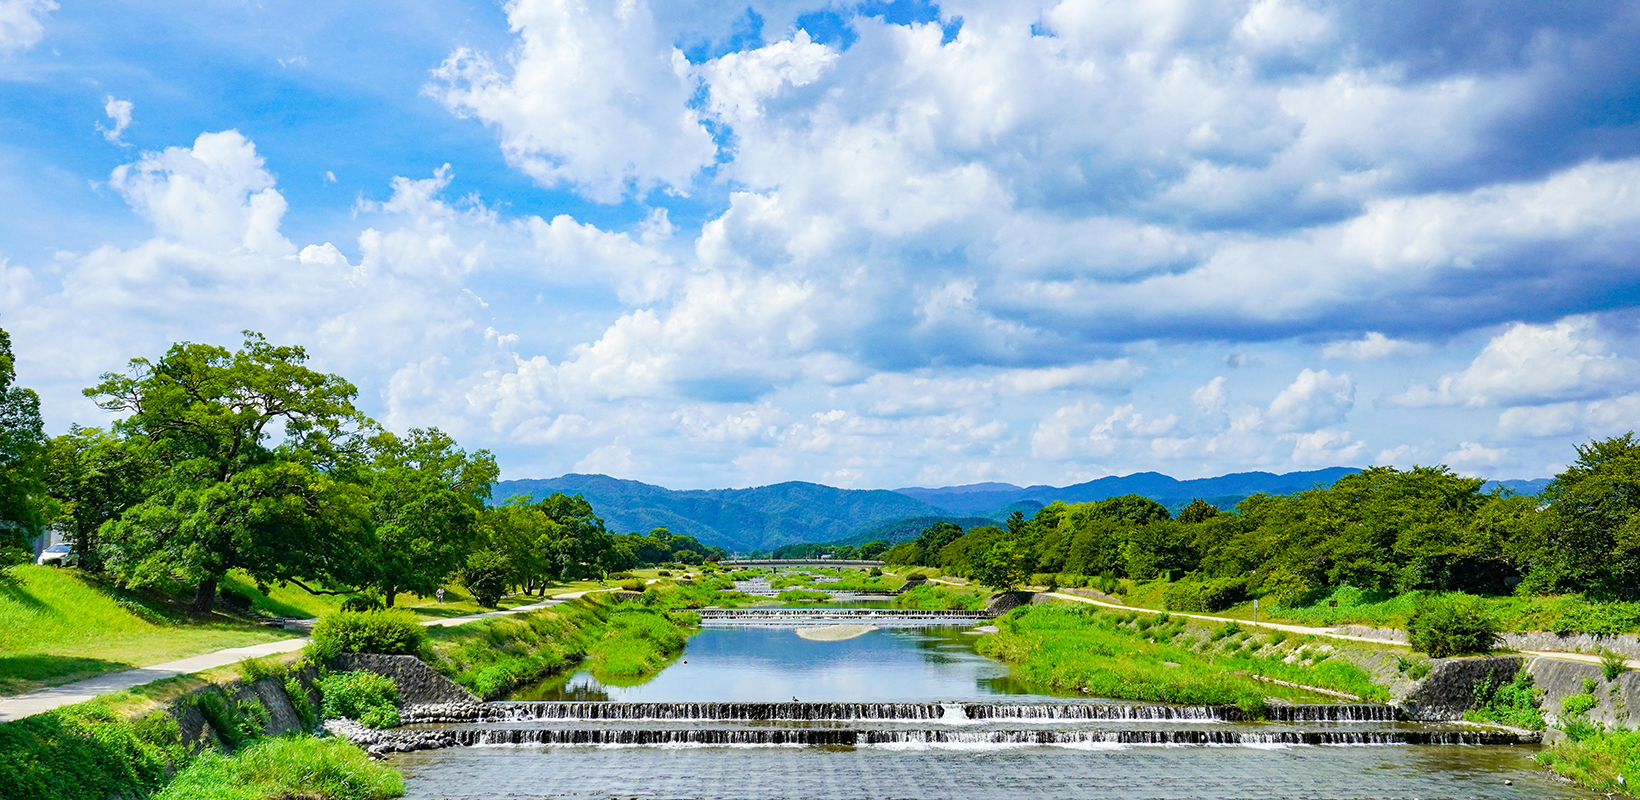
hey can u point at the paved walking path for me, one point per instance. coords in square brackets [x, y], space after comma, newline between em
[1312, 631]
[27, 705]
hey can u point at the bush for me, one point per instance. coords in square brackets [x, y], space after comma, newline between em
[632, 585]
[1612, 664]
[486, 575]
[361, 695]
[1452, 625]
[1511, 702]
[1201, 596]
[235, 722]
[392, 632]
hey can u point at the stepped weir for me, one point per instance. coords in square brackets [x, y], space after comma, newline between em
[908, 712]
[880, 617]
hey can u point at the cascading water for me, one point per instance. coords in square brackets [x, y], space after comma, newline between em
[944, 712]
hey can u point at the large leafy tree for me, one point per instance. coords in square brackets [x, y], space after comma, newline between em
[257, 451]
[1590, 541]
[426, 496]
[23, 498]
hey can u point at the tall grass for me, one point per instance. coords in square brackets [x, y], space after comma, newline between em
[1597, 758]
[935, 597]
[286, 767]
[1132, 657]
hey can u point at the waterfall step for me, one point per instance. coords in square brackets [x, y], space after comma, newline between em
[945, 712]
[407, 740]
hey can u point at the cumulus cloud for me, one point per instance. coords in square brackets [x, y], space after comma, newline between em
[590, 97]
[22, 23]
[1315, 399]
[1525, 364]
[215, 195]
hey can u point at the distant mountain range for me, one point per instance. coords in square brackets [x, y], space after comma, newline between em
[766, 517]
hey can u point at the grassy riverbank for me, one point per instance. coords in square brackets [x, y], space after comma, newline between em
[58, 626]
[620, 641]
[1597, 759]
[1165, 660]
[1566, 614]
[126, 745]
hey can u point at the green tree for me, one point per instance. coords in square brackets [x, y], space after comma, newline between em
[24, 502]
[1199, 510]
[1590, 540]
[229, 496]
[487, 575]
[871, 550]
[934, 538]
[95, 476]
[426, 495]
[1132, 508]
[1004, 566]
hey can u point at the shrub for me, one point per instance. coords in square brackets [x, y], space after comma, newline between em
[876, 572]
[392, 632]
[1575, 705]
[1511, 702]
[365, 601]
[234, 722]
[632, 585]
[299, 701]
[361, 695]
[1213, 595]
[1451, 625]
[88, 750]
[664, 573]
[1612, 664]
[486, 574]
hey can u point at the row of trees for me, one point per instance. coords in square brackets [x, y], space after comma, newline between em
[249, 460]
[1383, 529]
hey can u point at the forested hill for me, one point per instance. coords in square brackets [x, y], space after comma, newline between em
[742, 520]
[766, 517]
[987, 498]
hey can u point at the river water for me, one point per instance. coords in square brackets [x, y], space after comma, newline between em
[916, 713]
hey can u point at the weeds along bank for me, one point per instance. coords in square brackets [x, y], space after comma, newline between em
[618, 636]
[1157, 658]
[189, 738]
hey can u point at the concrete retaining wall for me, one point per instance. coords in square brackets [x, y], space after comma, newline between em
[1537, 640]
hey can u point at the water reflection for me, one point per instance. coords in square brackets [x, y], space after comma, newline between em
[774, 664]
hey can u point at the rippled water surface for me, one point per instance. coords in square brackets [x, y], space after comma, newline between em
[774, 664]
[931, 665]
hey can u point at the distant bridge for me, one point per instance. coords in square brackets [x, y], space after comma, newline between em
[880, 617]
[777, 563]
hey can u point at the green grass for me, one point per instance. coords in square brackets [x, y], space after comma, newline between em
[57, 626]
[937, 596]
[293, 601]
[1140, 657]
[622, 643]
[87, 750]
[1596, 759]
[286, 767]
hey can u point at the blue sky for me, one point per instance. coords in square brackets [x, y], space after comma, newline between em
[879, 244]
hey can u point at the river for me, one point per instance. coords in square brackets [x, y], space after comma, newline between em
[916, 713]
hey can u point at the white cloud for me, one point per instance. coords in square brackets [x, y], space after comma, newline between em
[1327, 446]
[592, 97]
[1315, 399]
[1374, 345]
[1532, 364]
[120, 112]
[1211, 397]
[1469, 456]
[22, 23]
[215, 195]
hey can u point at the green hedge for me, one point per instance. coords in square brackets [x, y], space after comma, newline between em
[1201, 596]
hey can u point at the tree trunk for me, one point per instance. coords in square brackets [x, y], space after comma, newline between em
[205, 596]
[389, 595]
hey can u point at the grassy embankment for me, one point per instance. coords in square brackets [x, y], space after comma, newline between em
[1165, 660]
[1560, 614]
[1597, 759]
[125, 745]
[938, 596]
[622, 642]
[293, 601]
[57, 626]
